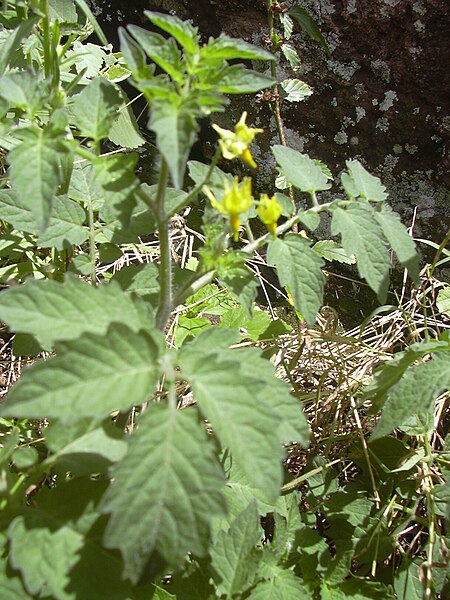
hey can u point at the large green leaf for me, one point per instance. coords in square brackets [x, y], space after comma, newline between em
[53, 311]
[95, 108]
[238, 393]
[133, 54]
[300, 170]
[62, 10]
[89, 377]
[283, 585]
[124, 130]
[415, 393]
[239, 80]
[116, 177]
[57, 549]
[161, 51]
[65, 228]
[309, 26]
[142, 279]
[35, 171]
[228, 48]
[185, 34]
[25, 90]
[360, 183]
[166, 491]
[362, 236]
[402, 243]
[299, 268]
[84, 187]
[234, 557]
[175, 126]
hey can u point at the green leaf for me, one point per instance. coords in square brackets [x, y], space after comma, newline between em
[63, 11]
[185, 34]
[83, 186]
[288, 25]
[133, 54]
[443, 300]
[94, 451]
[14, 40]
[115, 175]
[89, 377]
[95, 108]
[124, 130]
[300, 170]
[228, 48]
[238, 393]
[35, 171]
[360, 183]
[189, 327]
[309, 26]
[362, 236]
[10, 584]
[239, 280]
[54, 311]
[239, 80]
[284, 585]
[291, 55]
[65, 228]
[87, 59]
[295, 90]
[176, 128]
[415, 393]
[310, 219]
[234, 557]
[166, 490]
[142, 279]
[330, 250]
[402, 243]
[161, 51]
[55, 546]
[299, 268]
[25, 90]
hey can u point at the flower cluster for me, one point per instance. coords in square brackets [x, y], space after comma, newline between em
[237, 199]
[236, 144]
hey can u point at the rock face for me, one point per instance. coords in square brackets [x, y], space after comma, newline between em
[382, 97]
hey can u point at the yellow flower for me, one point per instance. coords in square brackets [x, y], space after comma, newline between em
[236, 200]
[236, 144]
[269, 211]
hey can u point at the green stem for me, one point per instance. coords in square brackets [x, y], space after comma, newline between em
[165, 266]
[92, 249]
[46, 41]
[292, 485]
[195, 283]
[439, 252]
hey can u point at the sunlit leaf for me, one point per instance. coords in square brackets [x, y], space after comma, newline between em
[299, 268]
[166, 490]
[300, 170]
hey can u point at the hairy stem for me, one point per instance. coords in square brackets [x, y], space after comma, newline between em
[165, 266]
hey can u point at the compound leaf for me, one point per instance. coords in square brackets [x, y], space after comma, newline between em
[233, 555]
[360, 183]
[238, 393]
[166, 490]
[299, 268]
[362, 236]
[53, 311]
[89, 377]
[300, 170]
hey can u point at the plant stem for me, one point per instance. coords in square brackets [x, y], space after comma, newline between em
[292, 485]
[46, 41]
[193, 285]
[165, 266]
